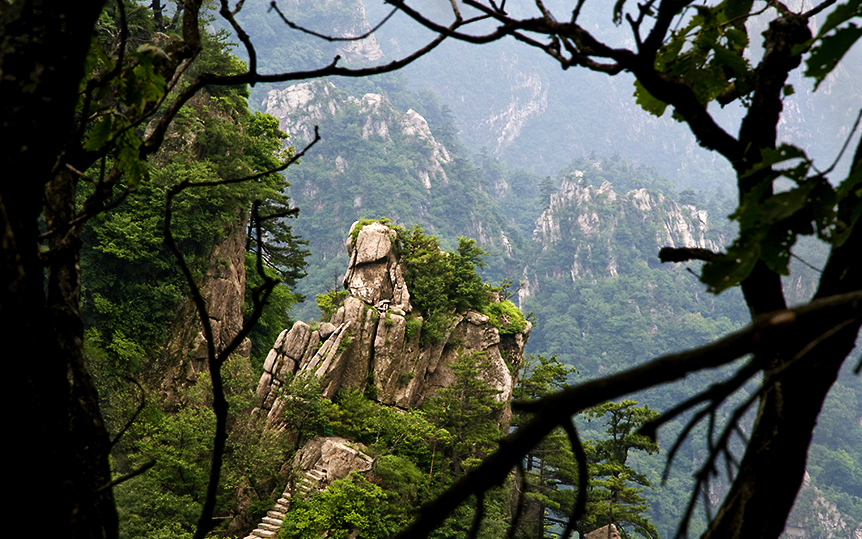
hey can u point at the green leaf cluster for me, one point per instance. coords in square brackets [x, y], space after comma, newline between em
[169, 496]
[329, 302]
[708, 52]
[441, 283]
[350, 507]
[769, 224]
[833, 41]
[506, 316]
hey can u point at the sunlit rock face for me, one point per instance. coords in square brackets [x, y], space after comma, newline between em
[373, 338]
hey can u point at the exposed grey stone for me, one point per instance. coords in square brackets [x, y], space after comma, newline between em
[326, 329]
[333, 457]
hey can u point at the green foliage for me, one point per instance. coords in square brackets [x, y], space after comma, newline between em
[329, 302]
[412, 327]
[131, 284]
[276, 315]
[383, 429]
[769, 224]
[614, 495]
[400, 477]
[828, 46]
[169, 496]
[354, 232]
[468, 410]
[352, 504]
[506, 317]
[306, 412]
[708, 51]
[442, 283]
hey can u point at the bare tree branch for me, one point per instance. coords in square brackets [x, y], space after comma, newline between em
[215, 359]
[129, 475]
[274, 6]
[684, 254]
[138, 411]
[555, 410]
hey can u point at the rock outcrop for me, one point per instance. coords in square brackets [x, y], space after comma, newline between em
[371, 343]
[223, 289]
[302, 106]
[373, 338]
[815, 517]
[321, 461]
[605, 532]
[589, 232]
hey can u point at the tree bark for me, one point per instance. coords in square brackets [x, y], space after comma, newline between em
[59, 441]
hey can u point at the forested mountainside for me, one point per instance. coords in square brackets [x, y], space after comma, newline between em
[412, 332]
[375, 160]
[580, 249]
[517, 105]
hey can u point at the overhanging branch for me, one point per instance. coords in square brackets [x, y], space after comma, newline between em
[557, 409]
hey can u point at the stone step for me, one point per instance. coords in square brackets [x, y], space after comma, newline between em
[263, 533]
[272, 521]
[269, 527]
[281, 507]
[284, 500]
[275, 514]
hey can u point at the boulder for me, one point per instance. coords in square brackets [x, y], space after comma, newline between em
[605, 532]
[334, 457]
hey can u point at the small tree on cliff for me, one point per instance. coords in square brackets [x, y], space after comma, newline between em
[552, 470]
[469, 411]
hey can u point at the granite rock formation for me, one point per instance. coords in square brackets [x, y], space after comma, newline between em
[373, 338]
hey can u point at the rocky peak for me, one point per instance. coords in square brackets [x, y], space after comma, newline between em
[374, 273]
[373, 338]
[592, 223]
[302, 106]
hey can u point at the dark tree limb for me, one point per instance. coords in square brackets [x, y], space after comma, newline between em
[274, 6]
[556, 410]
[216, 358]
[684, 254]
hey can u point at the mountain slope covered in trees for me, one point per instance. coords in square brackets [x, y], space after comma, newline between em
[97, 285]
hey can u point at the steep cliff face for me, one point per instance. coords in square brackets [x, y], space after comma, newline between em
[814, 517]
[373, 339]
[589, 232]
[223, 289]
[527, 100]
[339, 19]
[302, 106]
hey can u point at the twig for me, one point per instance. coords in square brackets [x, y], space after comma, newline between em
[684, 254]
[797, 257]
[583, 478]
[140, 409]
[519, 507]
[846, 142]
[478, 516]
[128, 476]
[274, 6]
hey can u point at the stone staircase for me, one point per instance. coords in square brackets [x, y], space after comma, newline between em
[271, 523]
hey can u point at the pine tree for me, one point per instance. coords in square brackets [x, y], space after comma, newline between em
[614, 491]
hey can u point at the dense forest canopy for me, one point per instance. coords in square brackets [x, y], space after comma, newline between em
[97, 95]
